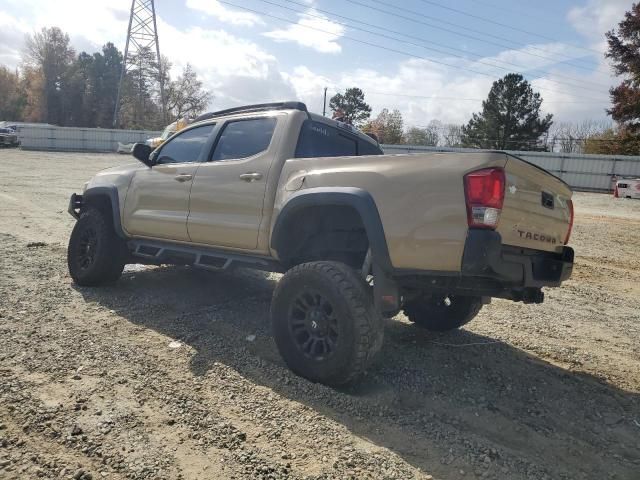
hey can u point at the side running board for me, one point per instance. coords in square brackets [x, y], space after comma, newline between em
[156, 252]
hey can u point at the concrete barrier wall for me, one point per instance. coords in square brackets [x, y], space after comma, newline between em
[591, 173]
[78, 139]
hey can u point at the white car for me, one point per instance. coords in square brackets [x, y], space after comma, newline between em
[628, 188]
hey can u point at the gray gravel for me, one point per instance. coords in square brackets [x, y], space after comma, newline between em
[154, 377]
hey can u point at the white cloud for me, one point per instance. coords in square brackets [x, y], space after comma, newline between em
[317, 32]
[597, 17]
[225, 14]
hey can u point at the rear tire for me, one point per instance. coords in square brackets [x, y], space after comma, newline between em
[324, 322]
[96, 254]
[433, 313]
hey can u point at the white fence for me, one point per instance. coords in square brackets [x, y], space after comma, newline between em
[582, 172]
[78, 139]
[594, 173]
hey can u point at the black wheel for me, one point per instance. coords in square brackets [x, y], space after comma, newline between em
[96, 255]
[441, 313]
[324, 322]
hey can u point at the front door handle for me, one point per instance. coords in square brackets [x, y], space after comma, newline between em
[251, 177]
[183, 177]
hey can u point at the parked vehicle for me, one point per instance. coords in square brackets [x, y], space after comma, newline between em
[359, 235]
[628, 188]
[167, 132]
[8, 138]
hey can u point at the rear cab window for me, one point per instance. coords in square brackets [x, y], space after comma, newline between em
[321, 140]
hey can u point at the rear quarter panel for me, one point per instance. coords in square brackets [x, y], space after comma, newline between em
[420, 199]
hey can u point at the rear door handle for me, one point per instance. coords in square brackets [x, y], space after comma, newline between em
[251, 177]
[183, 177]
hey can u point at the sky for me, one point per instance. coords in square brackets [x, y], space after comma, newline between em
[431, 59]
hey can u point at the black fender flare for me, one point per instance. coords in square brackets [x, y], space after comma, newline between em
[357, 198]
[98, 194]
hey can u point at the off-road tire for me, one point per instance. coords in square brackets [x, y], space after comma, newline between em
[96, 254]
[431, 312]
[353, 321]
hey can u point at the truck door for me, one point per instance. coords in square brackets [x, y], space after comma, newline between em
[157, 201]
[228, 191]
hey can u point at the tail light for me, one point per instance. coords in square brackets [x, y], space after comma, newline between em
[484, 195]
[570, 205]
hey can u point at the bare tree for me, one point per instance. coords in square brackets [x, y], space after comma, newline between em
[186, 96]
[452, 135]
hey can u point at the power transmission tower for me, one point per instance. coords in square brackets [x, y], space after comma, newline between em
[142, 37]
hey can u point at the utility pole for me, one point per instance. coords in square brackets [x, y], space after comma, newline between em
[324, 106]
[142, 36]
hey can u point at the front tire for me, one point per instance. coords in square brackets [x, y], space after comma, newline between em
[442, 313]
[96, 255]
[324, 322]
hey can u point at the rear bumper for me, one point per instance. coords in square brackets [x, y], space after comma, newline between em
[486, 257]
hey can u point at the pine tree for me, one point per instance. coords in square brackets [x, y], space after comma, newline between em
[624, 51]
[350, 106]
[510, 118]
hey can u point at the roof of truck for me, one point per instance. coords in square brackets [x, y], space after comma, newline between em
[291, 105]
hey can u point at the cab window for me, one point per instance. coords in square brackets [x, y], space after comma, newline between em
[321, 140]
[186, 147]
[244, 138]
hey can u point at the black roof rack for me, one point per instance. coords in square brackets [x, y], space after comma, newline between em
[254, 108]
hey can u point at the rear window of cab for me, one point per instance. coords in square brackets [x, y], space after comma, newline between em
[321, 140]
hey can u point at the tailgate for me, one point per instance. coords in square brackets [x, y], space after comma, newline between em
[536, 212]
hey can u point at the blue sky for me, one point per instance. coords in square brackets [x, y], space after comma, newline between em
[431, 59]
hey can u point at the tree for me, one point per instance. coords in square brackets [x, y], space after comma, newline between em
[510, 117]
[351, 106]
[107, 67]
[613, 142]
[186, 97]
[49, 51]
[427, 136]
[141, 106]
[13, 98]
[452, 135]
[624, 51]
[79, 92]
[387, 127]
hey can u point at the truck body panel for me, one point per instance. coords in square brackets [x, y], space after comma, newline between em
[536, 212]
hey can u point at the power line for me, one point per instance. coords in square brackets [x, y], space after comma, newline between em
[504, 25]
[531, 12]
[579, 85]
[382, 47]
[489, 42]
[427, 97]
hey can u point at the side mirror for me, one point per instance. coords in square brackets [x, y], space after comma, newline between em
[142, 152]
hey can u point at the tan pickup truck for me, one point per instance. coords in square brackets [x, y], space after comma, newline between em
[359, 235]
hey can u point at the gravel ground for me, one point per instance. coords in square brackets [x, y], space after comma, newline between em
[172, 373]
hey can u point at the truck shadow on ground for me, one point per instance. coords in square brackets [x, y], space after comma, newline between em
[489, 399]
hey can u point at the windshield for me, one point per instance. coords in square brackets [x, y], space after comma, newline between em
[167, 132]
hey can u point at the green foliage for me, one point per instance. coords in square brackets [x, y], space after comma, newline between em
[13, 98]
[350, 106]
[55, 85]
[388, 127]
[510, 118]
[50, 52]
[429, 136]
[612, 142]
[624, 51]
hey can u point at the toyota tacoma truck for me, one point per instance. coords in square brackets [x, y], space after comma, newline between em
[358, 235]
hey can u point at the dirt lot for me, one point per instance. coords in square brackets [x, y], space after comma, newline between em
[160, 376]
